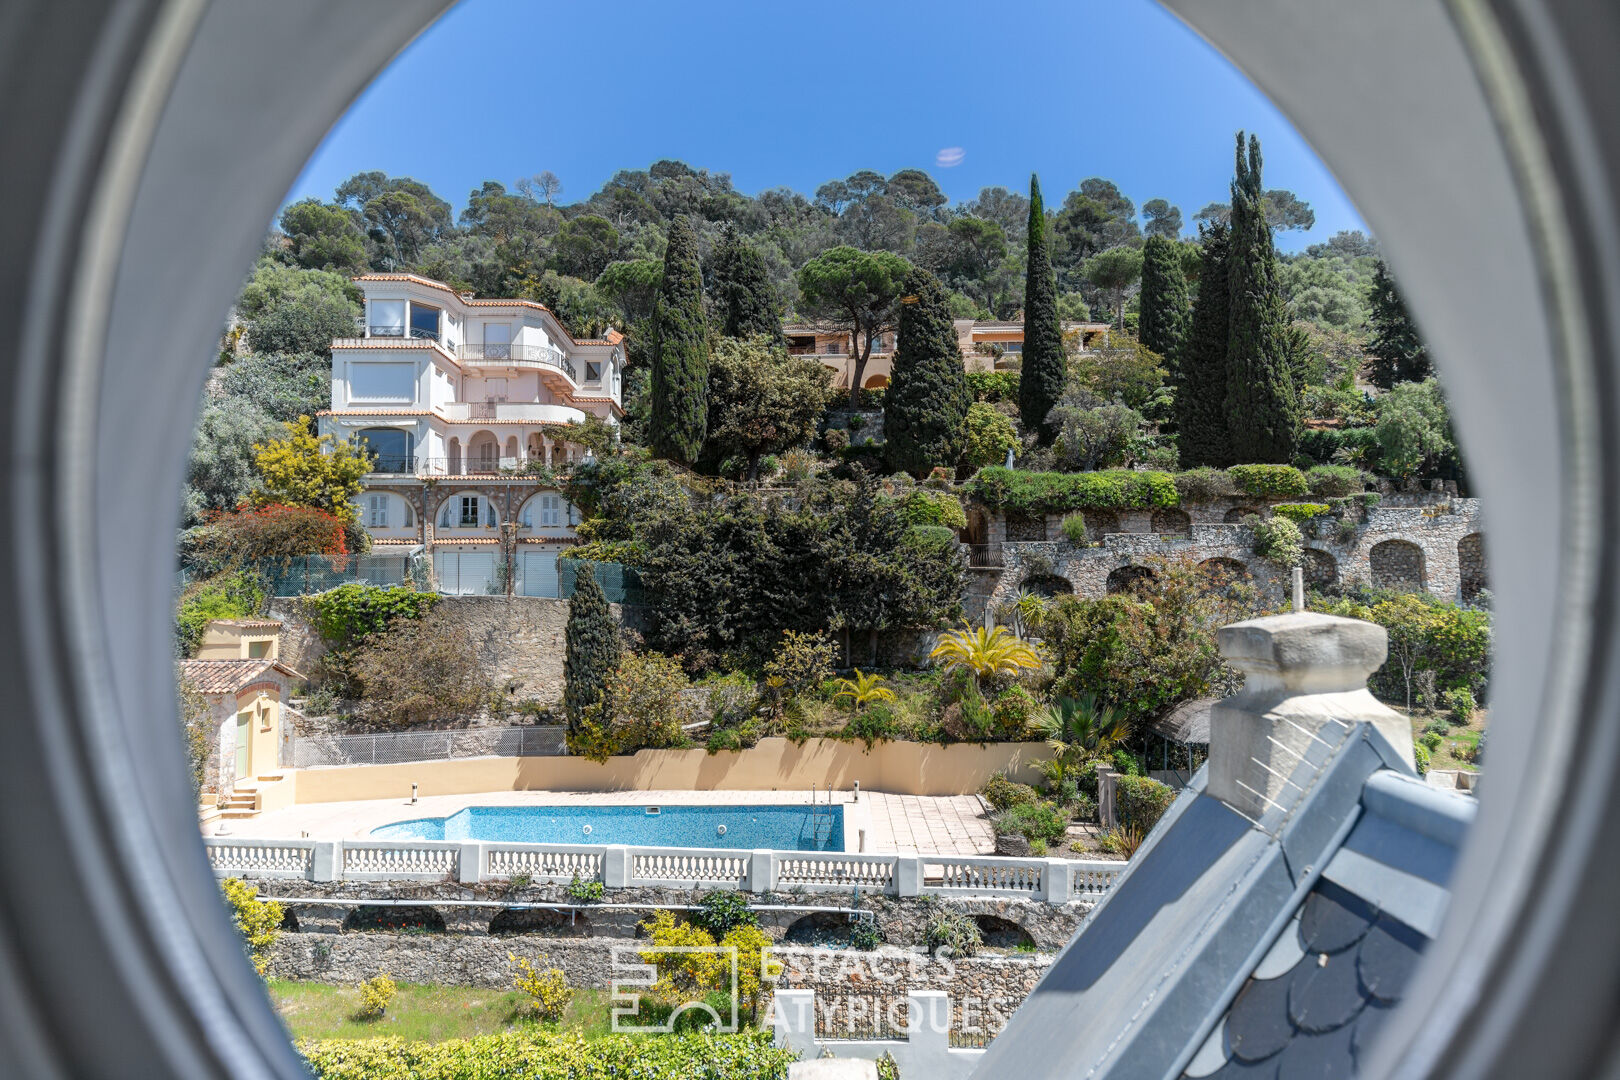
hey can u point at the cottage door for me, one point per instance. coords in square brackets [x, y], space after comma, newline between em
[244, 736]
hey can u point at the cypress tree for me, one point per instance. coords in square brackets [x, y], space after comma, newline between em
[925, 406]
[592, 646]
[1201, 393]
[745, 301]
[680, 352]
[1264, 410]
[1165, 313]
[1045, 369]
[1398, 353]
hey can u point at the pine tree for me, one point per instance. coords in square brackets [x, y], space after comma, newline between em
[1165, 314]
[592, 646]
[1264, 410]
[1045, 369]
[1398, 353]
[680, 352]
[744, 299]
[1201, 394]
[925, 406]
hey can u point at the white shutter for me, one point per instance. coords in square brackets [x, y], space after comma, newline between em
[539, 571]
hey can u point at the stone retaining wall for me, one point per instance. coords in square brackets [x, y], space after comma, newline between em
[1436, 546]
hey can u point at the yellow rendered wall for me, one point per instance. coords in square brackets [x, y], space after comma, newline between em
[902, 768]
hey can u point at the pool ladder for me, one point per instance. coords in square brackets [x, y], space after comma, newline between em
[816, 816]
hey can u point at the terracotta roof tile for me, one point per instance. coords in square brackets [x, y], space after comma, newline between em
[229, 676]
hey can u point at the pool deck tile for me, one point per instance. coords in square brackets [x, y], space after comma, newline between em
[929, 825]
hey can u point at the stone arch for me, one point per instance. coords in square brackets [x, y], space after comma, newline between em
[1396, 564]
[876, 382]
[381, 917]
[1321, 568]
[547, 922]
[1100, 523]
[1048, 585]
[1236, 515]
[289, 920]
[1168, 520]
[820, 928]
[483, 452]
[977, 529]
[1224, 571]
[511, 448]
[1128, 578]
[999, 933]
[448, 515]
[1471, 566]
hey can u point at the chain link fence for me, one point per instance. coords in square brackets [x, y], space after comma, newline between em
[390, 748]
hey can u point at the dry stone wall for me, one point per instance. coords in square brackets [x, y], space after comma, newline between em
[1436, 546]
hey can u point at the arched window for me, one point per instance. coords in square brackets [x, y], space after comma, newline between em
[544, 511]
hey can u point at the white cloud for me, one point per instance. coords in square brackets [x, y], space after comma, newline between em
[950, 157]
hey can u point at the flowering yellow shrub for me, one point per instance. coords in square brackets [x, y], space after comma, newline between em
[258, 921]
[548, 990]
[375, 995]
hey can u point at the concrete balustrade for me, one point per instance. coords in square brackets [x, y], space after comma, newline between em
[1056, 881]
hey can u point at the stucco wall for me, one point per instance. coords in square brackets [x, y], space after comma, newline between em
[902, 768]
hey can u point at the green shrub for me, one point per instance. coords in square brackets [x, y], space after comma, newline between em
[874, 724]
[1205, 485]
[1126, 762]
[376, 994]
[836, 440]
[1020, 492]
[865, 935]
[1277, 540]
[993, 386]
[586, 891]
[1334, 481]
[1300, 512]
[542, 1053]
[1460, 704]
[1003, 794]
[1074, 528]
[1420, 758]
[724, 739]
[1269, 481]
[236, 595]
[1031, 820]
[352, 612]
[722, 912]
[921, 507]
[953, 931]
[1432, 741]
[1141, 802]
[1013, 709]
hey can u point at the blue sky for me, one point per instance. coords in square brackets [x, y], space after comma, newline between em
[798, 94]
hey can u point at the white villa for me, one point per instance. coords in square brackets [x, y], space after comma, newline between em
[467, 405]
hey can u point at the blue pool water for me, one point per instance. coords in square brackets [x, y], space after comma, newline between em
[780, 828]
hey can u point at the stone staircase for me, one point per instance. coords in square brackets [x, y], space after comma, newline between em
[243, 801]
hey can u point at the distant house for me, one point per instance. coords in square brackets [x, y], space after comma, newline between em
[468, 407]
[986, 346]
[239, 672]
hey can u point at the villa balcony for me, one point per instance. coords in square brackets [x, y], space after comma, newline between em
[544, 358]
[481, 466]
[511, 412]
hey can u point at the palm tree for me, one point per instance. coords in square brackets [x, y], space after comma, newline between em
[1077, 730]
[986, 653]
[863, 690]
[1024, 609]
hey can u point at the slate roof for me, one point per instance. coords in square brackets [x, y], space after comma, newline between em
[1186, 723]
[1266, 949]
[229, 676]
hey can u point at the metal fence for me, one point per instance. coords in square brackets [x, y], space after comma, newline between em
[453, 573]
[313, 751]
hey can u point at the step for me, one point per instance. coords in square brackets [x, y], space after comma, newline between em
[235, 814]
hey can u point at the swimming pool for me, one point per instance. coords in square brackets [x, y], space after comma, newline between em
[779, 828]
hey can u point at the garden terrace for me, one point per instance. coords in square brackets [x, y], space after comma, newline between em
[1435, 546]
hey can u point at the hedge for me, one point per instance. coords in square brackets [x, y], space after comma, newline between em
[1269, 481]
[697, 1056]
[932, 508]
[1141, 801]
[1335, 481]
[1018, 491]
[1300, 512]
[993, 386]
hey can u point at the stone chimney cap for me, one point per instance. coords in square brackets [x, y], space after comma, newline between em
[1325, 651]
